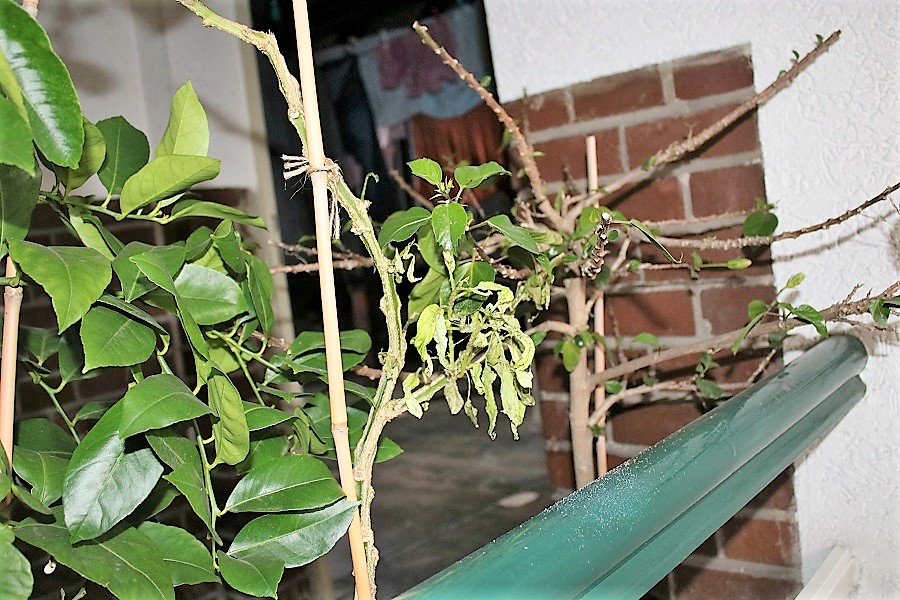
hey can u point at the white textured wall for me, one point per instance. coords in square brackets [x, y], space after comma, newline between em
[828, 142]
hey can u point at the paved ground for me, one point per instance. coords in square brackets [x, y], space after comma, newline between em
[439, 500]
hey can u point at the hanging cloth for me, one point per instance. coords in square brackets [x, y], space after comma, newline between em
[474, 138]
[402, 77]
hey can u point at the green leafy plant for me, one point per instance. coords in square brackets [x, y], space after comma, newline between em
[94, 494]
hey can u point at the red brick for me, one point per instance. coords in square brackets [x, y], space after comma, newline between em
[617, 94]
[570, 152]
[649, 424]
[734, 369]
[691, 583]
[726, 308]
[542, 111]
[110, 383]
[658, 200]
[727, 190]
[779, 494]
[38, 315]
[550, 373]
[660, 313]
[555, 420]
[647, 139]
[701, 77]
[758, 540]
[560, 469]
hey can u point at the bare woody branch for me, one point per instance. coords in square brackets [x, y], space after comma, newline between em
[679, 150]
[526, 152]
[835, 312]
[744, 242]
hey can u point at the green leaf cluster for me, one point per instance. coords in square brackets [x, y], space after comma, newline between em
[90, 493]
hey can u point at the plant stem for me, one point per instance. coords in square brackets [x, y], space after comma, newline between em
[210, 492]
[579, 390]
[59, 409]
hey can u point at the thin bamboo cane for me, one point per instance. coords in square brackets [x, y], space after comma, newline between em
[319, 176]
[12, 302]
[599, 350]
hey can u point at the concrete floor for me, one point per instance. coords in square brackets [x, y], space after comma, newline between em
[440, 499]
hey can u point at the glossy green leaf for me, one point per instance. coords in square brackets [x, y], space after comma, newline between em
[91, 411]
[156, 402]
[352, 340]
[185, 557]
[811, 316]
[104, 483]
[18, 197]
[261, 290]
[880, 313]
[190, 483]
[613, 387]
[231, 431]
[204, 208]
[263, 450]
[208, 295]
[134, 312]
[91, 231]
[760, 223]
[795, 280]
[16, 579]
[173, 449]
[470, 274]
[127, 150]
[45, 436]
[756, 308]
[286, 483]
[46, 87]
[709, 389]
[73, 277]
[429, 250]
[154, 267]
[163, 177]
[652, 239]
[424, 293]
[471, 176]
[113, 339]
[92, 155]
[261, 417]
[294, 539]
[127, 563]
[427, 169]
[514, 234]
[571, 354]
[45, 471]
[254, 576]
[16, 149]
[401, 226]
[71, 357]
[449, 224]
[40, 343]
[426, 327]
[134, 283]
[646, 338]
[737, 264]
[187, 132]
[228, 244]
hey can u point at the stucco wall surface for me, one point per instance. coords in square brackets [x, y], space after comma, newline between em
[829, 142]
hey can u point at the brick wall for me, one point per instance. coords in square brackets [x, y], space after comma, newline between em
[633, 115]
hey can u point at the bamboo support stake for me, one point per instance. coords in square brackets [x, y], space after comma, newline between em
[318, 173]
[12, 302]
[599, 316]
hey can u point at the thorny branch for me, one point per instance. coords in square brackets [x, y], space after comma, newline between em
[524, 149]
[410, 191]
[744, 242]
[835, 312]
[678, 150]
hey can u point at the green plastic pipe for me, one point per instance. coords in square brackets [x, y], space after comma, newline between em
[570, 549]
